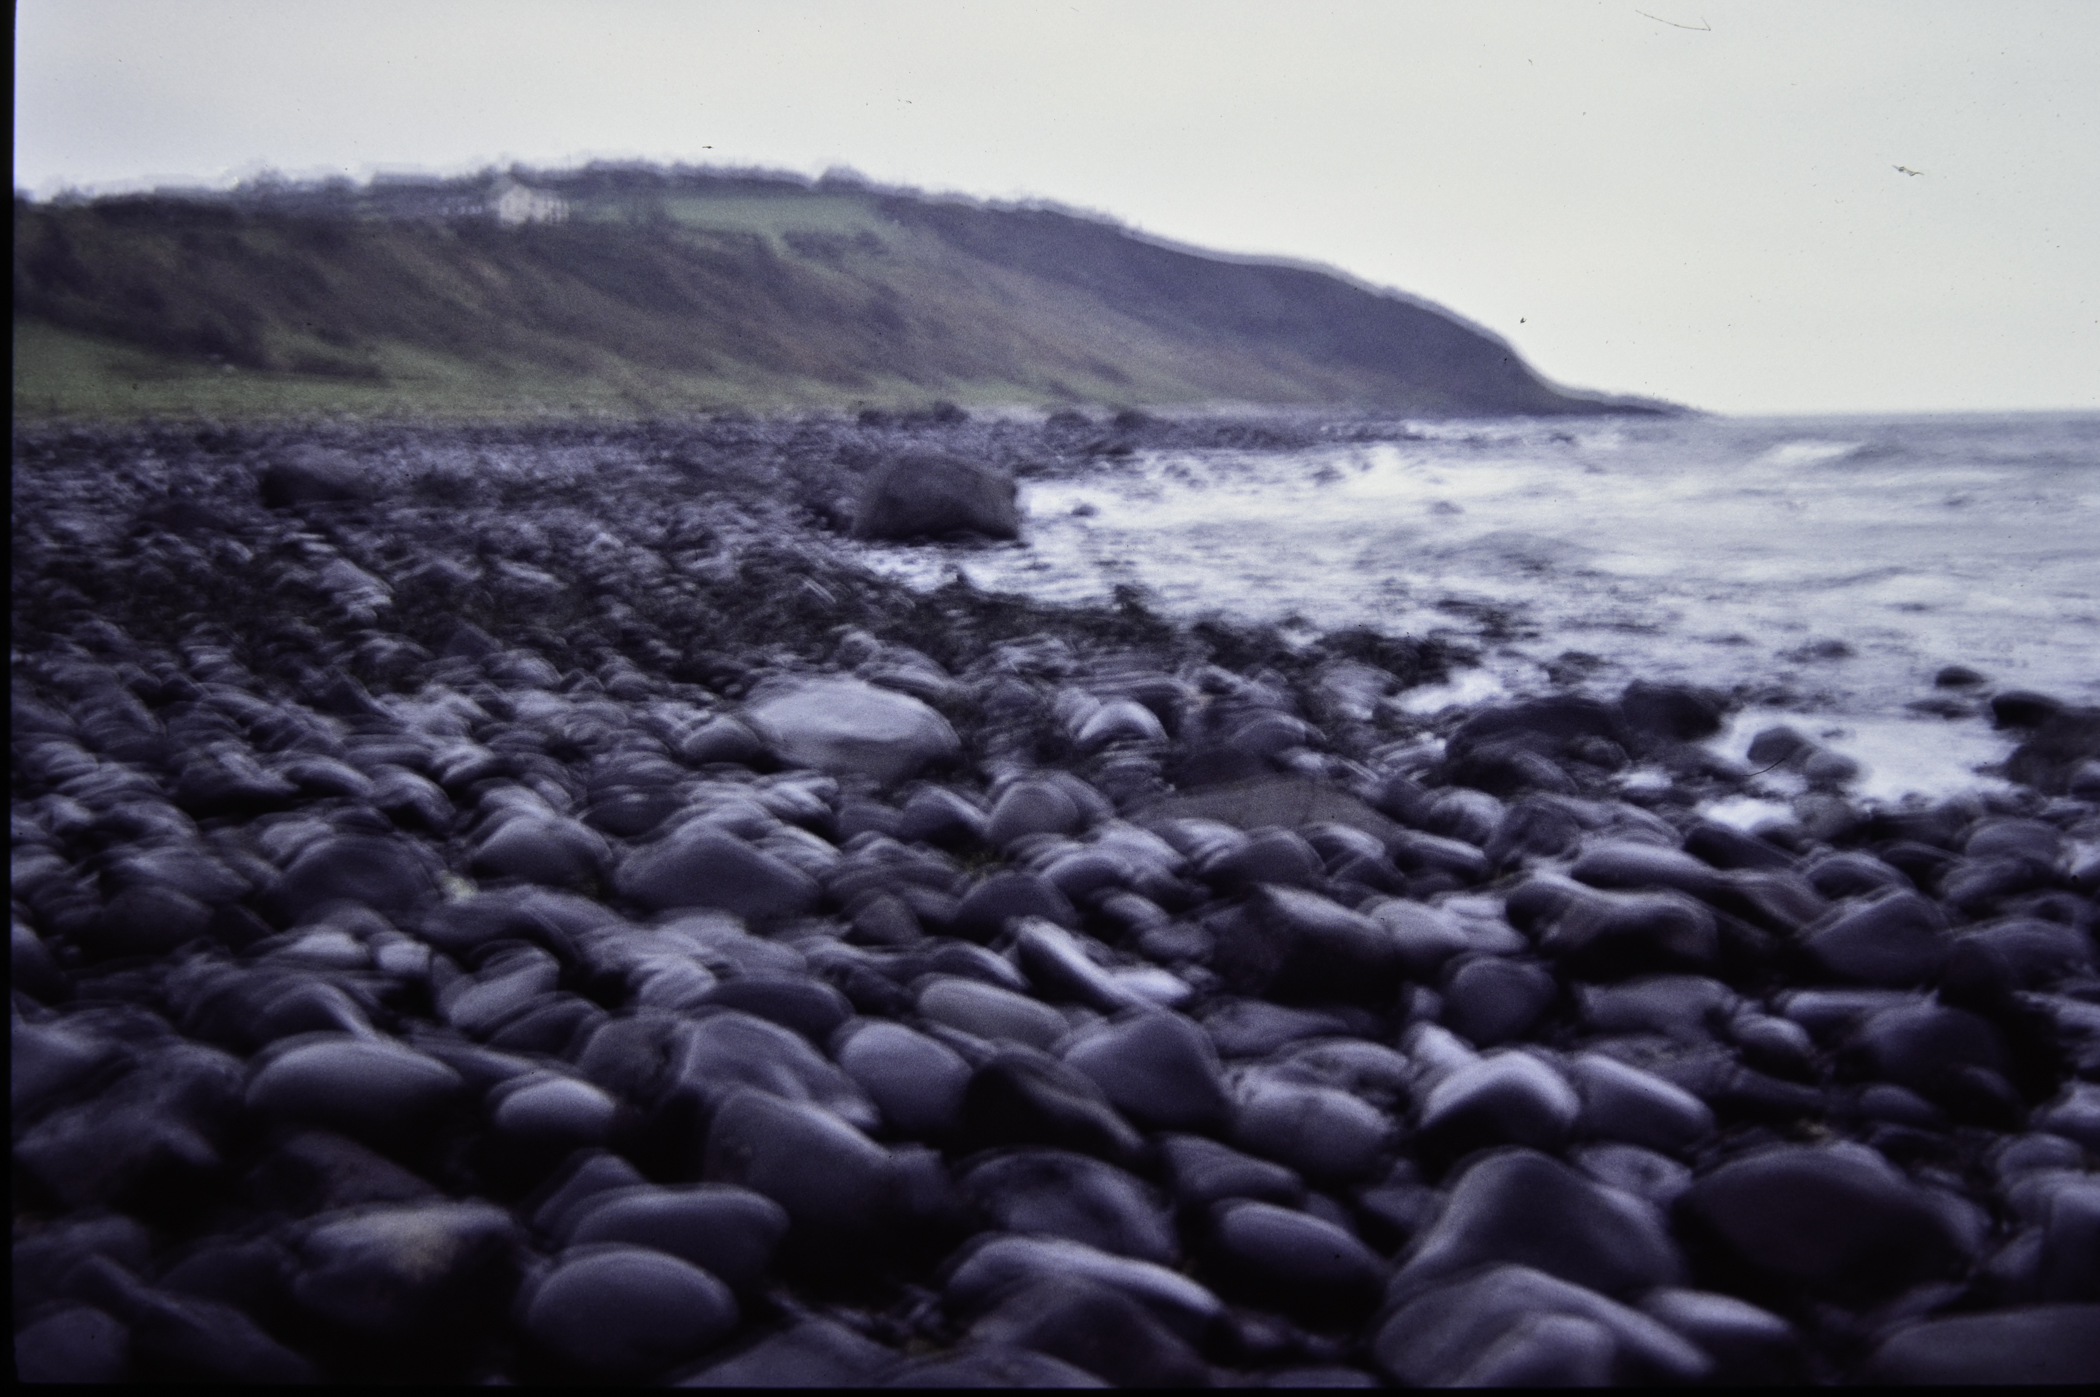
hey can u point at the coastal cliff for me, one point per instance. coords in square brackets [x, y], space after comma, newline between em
[633, 290]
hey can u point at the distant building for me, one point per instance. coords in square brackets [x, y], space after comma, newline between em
[513, 203]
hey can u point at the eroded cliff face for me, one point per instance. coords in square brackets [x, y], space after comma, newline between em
[698, 291]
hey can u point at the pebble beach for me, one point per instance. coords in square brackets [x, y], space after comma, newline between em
[531, 904]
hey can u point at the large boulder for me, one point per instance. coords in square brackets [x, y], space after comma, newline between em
[927, 495]
[849, 728]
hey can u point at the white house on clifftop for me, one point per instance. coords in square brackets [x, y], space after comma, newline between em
[514, 203]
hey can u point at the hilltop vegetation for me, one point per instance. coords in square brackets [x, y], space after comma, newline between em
[680, 290]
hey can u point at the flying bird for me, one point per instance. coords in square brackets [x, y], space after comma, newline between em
[1907, 170]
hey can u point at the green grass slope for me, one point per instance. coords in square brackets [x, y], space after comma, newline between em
[666, 292]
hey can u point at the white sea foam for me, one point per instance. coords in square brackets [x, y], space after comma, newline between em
[1826, 569]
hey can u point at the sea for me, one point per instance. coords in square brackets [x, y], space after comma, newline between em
[1824, 570]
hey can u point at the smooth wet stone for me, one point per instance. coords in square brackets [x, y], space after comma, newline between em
[1837, 1222]
[42, 1258]
[1611, 936]
[731, 1233]
[317, 1171]
[76, 1344]
[1031, 807]
[1724, 846]
[1323, 1133]
[808, 1353]
[47, 1062]
[989, 1012]
[1156, 1067]
[1255, 1028]
[507, 984]
[1687, 1008]
[1201, 1172]
[1424, 937]
[1293, 1260]
[995, 1265]
[850, 728]
[1895, 941]
[1521, 1207]
[1947, 1055]
[1749, 1346]
[2053, 1344]
[799, 1002]
[556, 853]
[838, 1187]
[1375, 1073]
[1488, 1330]
[369, 1089]
[555, 1112]
[697, 866]
[1623, 1103]
[916, 1082]
[1095, 1327]
[990, 1365]
[1060, 1194]
[2074, 1114]
[1491, 1000]
[1986, 964]
[388, 1272]
[1021, 1096]
[155, 1132]
[184, 1339]
[1644, 867]
[1634, 1170]
[1507, 1097]
[938, 816]
[391, 876]
[730, 1051]
[627, 1313]
[987, 909]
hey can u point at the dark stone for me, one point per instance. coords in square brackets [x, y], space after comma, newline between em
[1947, 1055]
[729, 1051]
[1626, 1104]
[1157, 1068]
[307, 475]
[45, 1256]
[1061, 1194]
[1609, 936]
[1724, 846]
[1515, 1326]
[76, 1344]
[2023, 708]
[1296, 945]
[699, 866]
[1202, 1172]
[809, 1353]
[988, 907]
[148, 921]
[1294, 1262]
[929, 495]
[839, 1188]
[1279, 857]
[554, 853]
[2039, 1344]
[627, 1313]
[1326, 1134]
[808, 1006]
[915, 1081]
[731, 1233]
[1897, 940]
[147, 1140]
[989, 1012]
[1490, 1000]
[990, 1365]
[393, 1272]
[994, 1265]
[316, 1171]
[1032, 807]
[389, 875]
[1024, 1097]
[1094, 1327]
[2065, 744]
[1548, 726]
[1662, 714]
[372, 1090]
[1836, 1222]
[1519, 1206]
[1750, 1347]
[938, 816]
[1641, 867]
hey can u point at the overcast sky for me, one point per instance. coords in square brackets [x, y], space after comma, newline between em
[1699, 202]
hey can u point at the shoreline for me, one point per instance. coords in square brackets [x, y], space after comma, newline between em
[446, 911]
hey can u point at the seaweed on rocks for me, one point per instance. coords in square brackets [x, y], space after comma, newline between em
[527, 904]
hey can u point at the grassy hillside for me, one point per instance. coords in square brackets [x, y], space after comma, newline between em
[672, 291]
